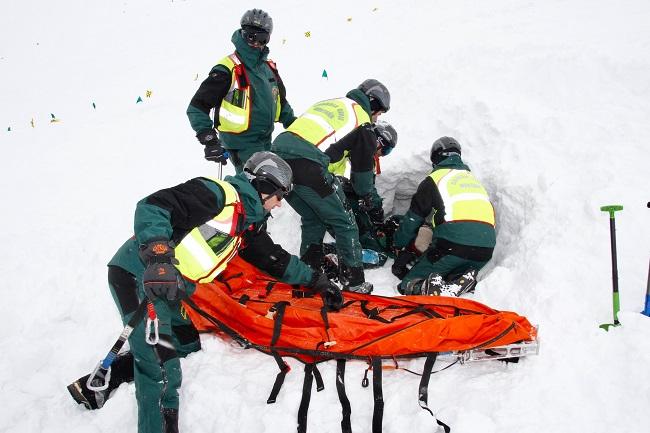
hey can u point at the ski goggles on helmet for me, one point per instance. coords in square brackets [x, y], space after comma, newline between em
[255, 35]
[384, 146]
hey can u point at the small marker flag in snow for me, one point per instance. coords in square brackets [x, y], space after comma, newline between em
[308, 34]
[31, 122]
[139, 100]
[9, 129]
[349, 19]
[94, 106]
[53, 119]
[324, 75]
[148, 94]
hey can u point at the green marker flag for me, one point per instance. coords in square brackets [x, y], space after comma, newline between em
[94, 106]
[9, 129]
[53, 116]
[324, 75]
[139, 100]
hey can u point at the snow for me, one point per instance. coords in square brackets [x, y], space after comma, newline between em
[550, 100]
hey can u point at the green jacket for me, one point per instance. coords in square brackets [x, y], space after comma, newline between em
[265, 86]
[290, 146]
[173, 212]
[427, 200]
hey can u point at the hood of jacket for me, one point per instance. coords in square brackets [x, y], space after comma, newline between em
[453, 161]
[360, 98]
[249, 197]
[249, 56]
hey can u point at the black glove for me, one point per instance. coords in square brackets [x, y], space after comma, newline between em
[400, 266]
[330, 292]
[365, 203]
[161, 278]
[376, 216]
[213, 150]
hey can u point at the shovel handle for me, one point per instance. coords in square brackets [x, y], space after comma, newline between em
[612, 208]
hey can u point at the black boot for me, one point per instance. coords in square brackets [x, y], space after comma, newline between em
[314, 256]
[170, 420]
[121, 371]
[353, 280]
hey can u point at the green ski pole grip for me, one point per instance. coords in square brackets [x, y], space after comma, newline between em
[611, 209]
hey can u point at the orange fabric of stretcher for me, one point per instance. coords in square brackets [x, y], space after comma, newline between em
[367, 326]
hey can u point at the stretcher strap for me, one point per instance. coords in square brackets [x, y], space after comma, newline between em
[279, 379]
[346, 410]
[378, 411]
[306, 397]
[423, 392]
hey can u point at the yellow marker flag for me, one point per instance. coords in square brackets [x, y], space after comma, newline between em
[147, 94]
[307, 34]
[349, 19]
[32, 123]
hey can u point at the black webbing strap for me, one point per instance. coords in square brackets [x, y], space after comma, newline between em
[346, 426]
[319, 379]
[278, 308]
[269, 287]
[279, 379]
[378, 411]
[244, 298]
[372, 314]
[306, 397]
[423, 391]
[278, 317]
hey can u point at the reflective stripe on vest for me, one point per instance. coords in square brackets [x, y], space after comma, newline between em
[464, 197]
[206, 250]
[329, 121]
[235, 109]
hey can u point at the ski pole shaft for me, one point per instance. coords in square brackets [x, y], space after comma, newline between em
[103, 368]
[612, 209]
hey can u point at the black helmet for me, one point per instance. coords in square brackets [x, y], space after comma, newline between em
[257, 18]
[386, 137]
[268, 173]
[378, 94]
[444, 147]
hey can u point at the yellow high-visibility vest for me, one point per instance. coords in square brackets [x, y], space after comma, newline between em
[328, 121]
[235, 109]
[206, 250]
[464, 197]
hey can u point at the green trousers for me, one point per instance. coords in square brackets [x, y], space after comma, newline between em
[157, 369]
[238, 157]
[319, 213]
[446, 266]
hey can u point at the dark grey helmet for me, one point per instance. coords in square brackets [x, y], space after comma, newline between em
[444, 146]
[257, 18]
[386, 133]
[268, 173]
[376, 91]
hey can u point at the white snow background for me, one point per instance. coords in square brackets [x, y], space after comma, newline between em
[551, 101]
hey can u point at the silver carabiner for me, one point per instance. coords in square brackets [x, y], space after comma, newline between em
[107, 378]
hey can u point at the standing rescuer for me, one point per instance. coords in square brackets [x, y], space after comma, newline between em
[184, 235]
[318, 196]
[463, 228]
[247, 93]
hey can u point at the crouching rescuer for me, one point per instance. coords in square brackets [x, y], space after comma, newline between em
[463, 228]
[186, 235]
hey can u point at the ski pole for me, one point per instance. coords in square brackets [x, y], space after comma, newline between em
[646, 310]
[103, 368]
[612, 209]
